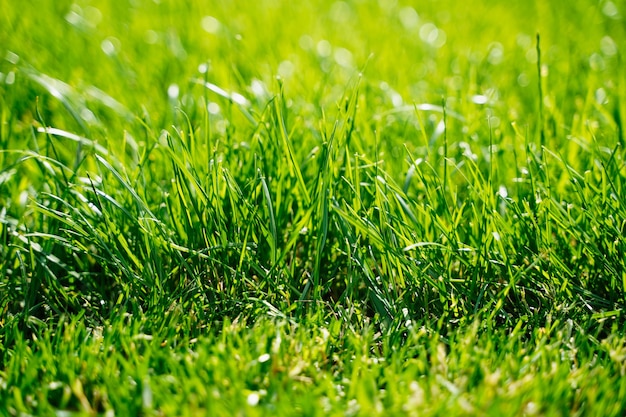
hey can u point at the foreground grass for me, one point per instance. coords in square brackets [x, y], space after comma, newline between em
[402, 209]
[316, 368]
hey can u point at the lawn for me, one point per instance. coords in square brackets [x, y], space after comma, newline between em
[312, 208]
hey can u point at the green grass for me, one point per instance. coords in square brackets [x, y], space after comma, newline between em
[316, 369]
[322, 207]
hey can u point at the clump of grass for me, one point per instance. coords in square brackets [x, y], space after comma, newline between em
[149, 190]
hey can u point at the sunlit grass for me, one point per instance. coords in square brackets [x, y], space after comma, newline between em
[374, 185]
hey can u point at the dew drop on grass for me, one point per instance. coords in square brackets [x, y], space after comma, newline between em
[601, 96]
[253, 399]
[213, 108]
[73, 17]
[324, 48]
[608, 46]
[432, 35]
[173, 91]
[203, 68]
[503, 192]
[480, 99]
[286, 69]
[258, 88]
[610, 10]
[396, 99]
[596, 62]
[343, 57]
[408, 17]
[89, 17]
[110, 46]
[211, 24]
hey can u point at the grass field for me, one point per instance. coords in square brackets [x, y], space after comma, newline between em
[312, 208]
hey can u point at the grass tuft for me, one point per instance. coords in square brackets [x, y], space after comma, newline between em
[385, 209]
